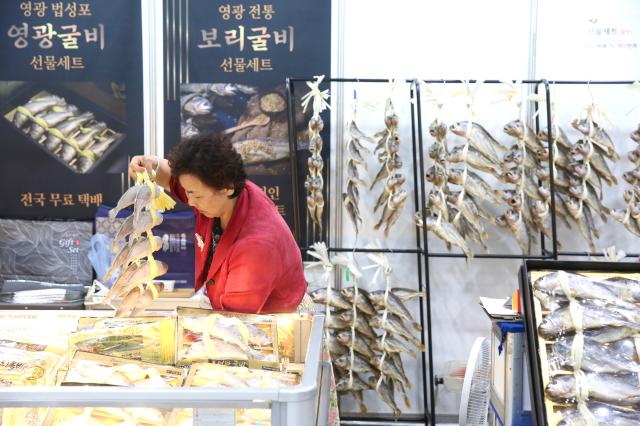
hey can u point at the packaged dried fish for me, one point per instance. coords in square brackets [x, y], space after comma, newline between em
[90, 368]
[150, 342]
[204, 336]
[26, 366]
[214, 375]
[20, 367]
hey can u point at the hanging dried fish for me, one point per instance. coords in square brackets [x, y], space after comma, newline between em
[393, 197]
[315, 198]
[355, 158]
[630, 217]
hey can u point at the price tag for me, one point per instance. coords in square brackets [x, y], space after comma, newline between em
[214, 417]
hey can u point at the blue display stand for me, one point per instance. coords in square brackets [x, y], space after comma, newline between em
[510, 403]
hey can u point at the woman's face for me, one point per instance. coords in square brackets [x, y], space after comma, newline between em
[208, 201]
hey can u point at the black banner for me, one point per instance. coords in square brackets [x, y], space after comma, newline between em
[225, 68]
[71, 102]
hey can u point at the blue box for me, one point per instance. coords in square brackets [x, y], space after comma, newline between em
[178, 249]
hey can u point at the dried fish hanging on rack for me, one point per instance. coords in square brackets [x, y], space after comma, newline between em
[587, 168]
[560, 147]
[440, 198]
[578, 171]
[390, 369]
[528, 202]
[354, 361]
[354, 346]
[393, 197]
[581, 167]
[463, 211]
[630, 217]
[355, 159]
[135, 259]
[314, 182]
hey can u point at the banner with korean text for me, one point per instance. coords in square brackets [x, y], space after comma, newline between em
[225, 70]
[71, 103]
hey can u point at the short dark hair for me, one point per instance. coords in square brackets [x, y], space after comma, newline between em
[212, 159]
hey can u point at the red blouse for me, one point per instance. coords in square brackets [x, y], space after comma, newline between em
[257, 265]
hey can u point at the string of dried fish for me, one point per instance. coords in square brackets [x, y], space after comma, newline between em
[441, 203]
[630, 217]
[356, 349]
[383, 363]
[355, 158]
[314, 182]
[135, 282]
[515, 218]
[393, 197]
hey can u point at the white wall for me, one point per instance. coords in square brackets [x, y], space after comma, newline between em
[478, 40]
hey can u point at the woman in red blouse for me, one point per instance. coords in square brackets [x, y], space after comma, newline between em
[246, 256]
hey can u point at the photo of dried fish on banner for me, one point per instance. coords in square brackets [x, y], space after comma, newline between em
[363, 359]
[75, 137]
[585, 325]
[254, 118]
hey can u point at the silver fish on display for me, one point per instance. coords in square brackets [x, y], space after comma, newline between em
[391, 344]
[583, 287]
[392, 210]
[518, 130]
[361, 325]
[559, 137]
[614, 389]
[560, 322]
[362, 301]
[598, 135]
[474, 158]
[616, 358]
[604, 414]
[333, 298]
[362, 345]
[474, 185]
[359, 365]
[438, 130]
[480, 139]
[446, 232]
[356, 383]
[385, 390]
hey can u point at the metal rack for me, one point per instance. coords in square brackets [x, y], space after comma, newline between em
[427, 383]
[422, 247]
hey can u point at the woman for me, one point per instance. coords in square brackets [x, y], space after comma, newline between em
[246, 257]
